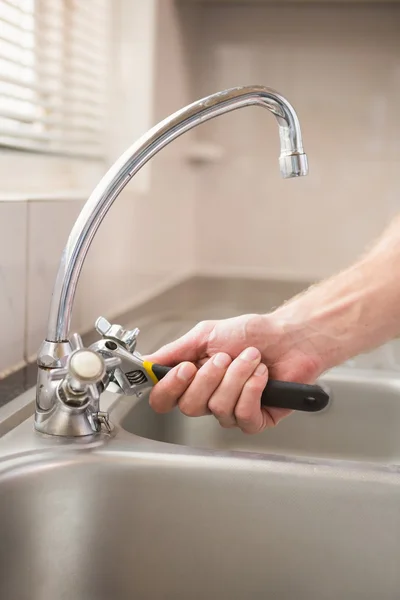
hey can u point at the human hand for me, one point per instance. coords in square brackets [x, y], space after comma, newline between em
[222, 368]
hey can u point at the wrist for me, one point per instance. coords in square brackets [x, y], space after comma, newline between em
[342, 317]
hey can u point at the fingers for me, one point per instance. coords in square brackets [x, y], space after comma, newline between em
[194, 402]
[189, 388]
[272, 416]
[190, 347]
[223, 402]
[229, 389]
[164, 396]
[250, 416]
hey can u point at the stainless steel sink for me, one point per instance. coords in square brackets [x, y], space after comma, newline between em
[128, 518]
[362, 422]
[308, 511]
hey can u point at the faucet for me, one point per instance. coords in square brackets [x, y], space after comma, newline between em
[71, 378]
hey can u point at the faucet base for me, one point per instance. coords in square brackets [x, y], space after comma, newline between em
[63, 421]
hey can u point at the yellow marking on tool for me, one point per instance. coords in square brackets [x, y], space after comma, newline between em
[148, 366]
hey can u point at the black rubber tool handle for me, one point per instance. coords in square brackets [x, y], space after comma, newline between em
[280, 394]
[295, 396]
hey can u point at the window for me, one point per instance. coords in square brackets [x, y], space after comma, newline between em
[53, 75]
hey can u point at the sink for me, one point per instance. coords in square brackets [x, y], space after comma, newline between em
[127, 518]
[173, 508]
[362, 422]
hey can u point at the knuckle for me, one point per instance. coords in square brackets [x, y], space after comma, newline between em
[209, 374]
[255, 385]
[221, 412]
[210, 377]
[245, 414]
[185, 410]
[202, 326]
[188, 409]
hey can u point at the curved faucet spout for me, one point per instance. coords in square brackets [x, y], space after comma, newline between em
[293, 163]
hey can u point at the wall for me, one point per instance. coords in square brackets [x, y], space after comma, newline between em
[339, 65]
[147, 240]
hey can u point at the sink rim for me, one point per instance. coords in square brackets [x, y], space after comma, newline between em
[25, 446]
[23, 441]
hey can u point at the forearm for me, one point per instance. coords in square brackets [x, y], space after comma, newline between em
[352, 312]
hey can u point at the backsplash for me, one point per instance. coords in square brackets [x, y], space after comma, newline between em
[145, 243]
[13, 284]
[339, 65]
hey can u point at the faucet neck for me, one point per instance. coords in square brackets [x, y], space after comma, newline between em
[293, 163]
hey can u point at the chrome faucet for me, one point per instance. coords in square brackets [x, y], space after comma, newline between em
[71, 378]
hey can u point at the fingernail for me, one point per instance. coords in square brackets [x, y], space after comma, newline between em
[222, 360]
[185, 372]
[250, 354]
[261, 370]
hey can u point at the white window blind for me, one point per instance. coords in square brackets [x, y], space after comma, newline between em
[53, 75]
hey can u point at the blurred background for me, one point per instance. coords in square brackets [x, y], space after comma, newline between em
[208, 227]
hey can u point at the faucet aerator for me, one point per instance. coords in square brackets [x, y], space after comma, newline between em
[293, 165]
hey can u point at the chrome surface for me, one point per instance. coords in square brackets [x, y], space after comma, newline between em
[53, 355]
[76, 390]
[130, 375]
[51, 414]
[293, 163]
[127, 337]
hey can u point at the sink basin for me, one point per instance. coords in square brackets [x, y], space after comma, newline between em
[127, 518]
[362, 422]
[173, 508]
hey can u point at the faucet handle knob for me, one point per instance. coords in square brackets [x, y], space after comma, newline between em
[85, 369]
[127, 337]
[86, 366]
[89, 367]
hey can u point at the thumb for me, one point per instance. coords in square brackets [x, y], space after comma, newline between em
[189, 347]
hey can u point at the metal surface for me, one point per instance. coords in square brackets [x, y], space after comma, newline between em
[293, 163]
[51, 414]
[53, 355]
[110, 363]
[308, 510]
[127, 337]
[76, 390]
[360, 423]
[130, 375]
[113, 515]
[128, 518]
